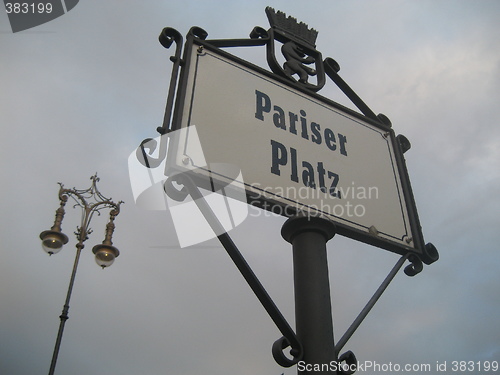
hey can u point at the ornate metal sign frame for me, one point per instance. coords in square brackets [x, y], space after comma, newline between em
[300, 54]
[301, 62]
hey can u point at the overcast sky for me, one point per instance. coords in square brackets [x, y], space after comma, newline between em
[79, 93]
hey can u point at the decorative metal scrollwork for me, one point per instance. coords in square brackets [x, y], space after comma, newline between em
[283, 343]
[415, 267]
[350, 363]
[298, 48]
[167, 37]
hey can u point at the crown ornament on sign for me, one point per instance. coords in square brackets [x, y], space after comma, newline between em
[290, 28]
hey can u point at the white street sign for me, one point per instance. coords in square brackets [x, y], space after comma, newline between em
[295, 151]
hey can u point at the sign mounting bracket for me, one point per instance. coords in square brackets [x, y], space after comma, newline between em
[289, 338]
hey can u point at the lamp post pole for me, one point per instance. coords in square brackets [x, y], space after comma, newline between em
[64, 316]
[54, 239]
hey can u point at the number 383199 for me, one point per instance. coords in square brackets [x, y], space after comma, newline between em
[24, 8]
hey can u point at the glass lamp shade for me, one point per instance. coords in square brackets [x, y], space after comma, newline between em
[105, 255]
[53, 241]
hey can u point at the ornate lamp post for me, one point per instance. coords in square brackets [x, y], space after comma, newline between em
[90, 201]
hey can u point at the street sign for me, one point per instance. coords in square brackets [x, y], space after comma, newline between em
[297, 150]
[268, 138]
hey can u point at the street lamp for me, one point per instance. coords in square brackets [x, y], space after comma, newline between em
[90, 201]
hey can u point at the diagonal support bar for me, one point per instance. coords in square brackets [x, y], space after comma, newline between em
[362, 315]
[290, 338]
[331, 69]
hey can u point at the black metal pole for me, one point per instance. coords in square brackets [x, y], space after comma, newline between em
[313, 310]
[64, 315]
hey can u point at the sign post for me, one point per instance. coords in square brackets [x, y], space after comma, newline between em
[313, 311]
